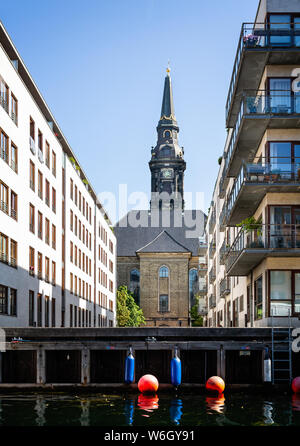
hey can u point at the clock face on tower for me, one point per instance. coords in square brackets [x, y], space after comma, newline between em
[167, 173]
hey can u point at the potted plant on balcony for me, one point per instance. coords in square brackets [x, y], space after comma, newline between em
[250, 224]
[275, 174]
[250, 40]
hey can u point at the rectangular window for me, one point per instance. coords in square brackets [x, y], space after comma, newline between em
[31, 218]
[40, 265]
[3, 248]
[31, 308]
[32, 129]
[53, 315]
[3, 299]
[40, 140]
[47, 231]
[32, 175]
[40, 225]
[71, 283]
[4, 92]
[71, 315]
[13, 302]
[53, 236]
[14, 157]
[47, 154]
[53, 273]
[280, 293]
[71, 220]
[39, 310]
[71, 252]
[53, 200]
[53, 163]
[75, 255]
[31, 261]
[163, 303]
[47, 268]
[47, 193]
[14, 108]
[4, 197]
[76, 195]
[75, 225]
[13, 205]
[13, 253]
[79, 201]
[46, 311]
[40, 185]
[258, 299]
[71, 188]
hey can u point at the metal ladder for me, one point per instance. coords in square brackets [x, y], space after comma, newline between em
[282, 353]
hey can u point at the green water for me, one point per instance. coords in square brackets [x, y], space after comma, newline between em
[60, 409]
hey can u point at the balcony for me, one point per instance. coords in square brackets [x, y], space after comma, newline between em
[223, 253]
[212, 249]
[212, 275]
[252, 246]
[225, 287]
[259, 46]
[257, 179]
[212, 301]
[223, 218]
[258, 112]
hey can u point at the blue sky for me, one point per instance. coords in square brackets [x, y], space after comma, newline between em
[100, 65]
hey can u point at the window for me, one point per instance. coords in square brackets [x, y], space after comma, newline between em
[47, 267]
[32, 175]
[32, 130]
[258, 299]
[31, 218]
[53, 163]
[71, 252]
[13, 205]
[40, 225]
[47, 154]
[71, 283]
[163, 303]
[3, 248]
[13, 253]
[193, 285]
[71, 315]
[14, 157]
[4, 146]
[40, 185]
[71, 220]
[47, 193]
[79, 201]
[53, 273]
[39, 310]
[53, 318]
[76, 195]
[31, 261]
[3, 299]
[40, 265]
[31, 308]
[14, 108]
[47, 231]
[134, 286]
[13, 302]
[40, 140]
[71, 188]
[280, 293]
[163, 272]
[46, 311]
[4, 197]
[53, 199]
[75, 225]
[53, 236]
[4, 91]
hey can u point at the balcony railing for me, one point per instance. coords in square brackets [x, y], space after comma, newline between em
[212, 275]
[32, 145]
[4, 103]
[255, 37]
[274, 170]
[4, 154]
[225, 287]
[40, 156]
[262, 104]
[223, 252]
[273, 237]
[212, 301]
[3, 257]
[212, 222]
[222, 218]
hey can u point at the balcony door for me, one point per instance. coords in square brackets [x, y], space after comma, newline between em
[280, 95]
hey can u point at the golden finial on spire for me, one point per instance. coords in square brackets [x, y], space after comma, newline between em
[168, 68]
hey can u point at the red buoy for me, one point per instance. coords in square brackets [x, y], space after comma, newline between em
[296, 385]
[216, 384]
[148, 384]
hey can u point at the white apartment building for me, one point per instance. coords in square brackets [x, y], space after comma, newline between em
[253, 226]
[57, 249]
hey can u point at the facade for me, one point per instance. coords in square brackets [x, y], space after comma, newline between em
[157, 258]
[57, 264]
[253, 223]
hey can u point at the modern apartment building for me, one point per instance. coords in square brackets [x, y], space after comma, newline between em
[253, 226]
[57, 251]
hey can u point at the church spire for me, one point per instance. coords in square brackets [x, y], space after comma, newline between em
[167, 116]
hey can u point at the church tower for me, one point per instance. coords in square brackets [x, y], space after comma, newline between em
[167, 164]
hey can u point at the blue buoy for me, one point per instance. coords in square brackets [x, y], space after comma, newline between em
[175, 370]
[129, 368]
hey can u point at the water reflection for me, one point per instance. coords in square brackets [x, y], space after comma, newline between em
[148, 403]
[129, 411]
[296, 402]
[176, 410]
[85, 412]
[268, 413]
[40, 409]
[216, 404]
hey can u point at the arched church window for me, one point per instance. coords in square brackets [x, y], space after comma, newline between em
[134, 286]
[167, 134]
[163, 271]
[193, 284]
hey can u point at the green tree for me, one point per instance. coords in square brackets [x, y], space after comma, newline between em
[197, 319]
[129, 314]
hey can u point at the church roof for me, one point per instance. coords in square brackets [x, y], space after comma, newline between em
[163, 243]
[131, 237]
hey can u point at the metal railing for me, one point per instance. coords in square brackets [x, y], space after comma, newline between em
[32, 145]
[4, 206]
[255, 36]
[212, 275]
[14, 117]
[225, 287]
[3, 257]
[223, 252]
[223, 217]
[273, 237]
[40, 156]
[13, 214]
[4, 103]
[272, 170]
[4, 154]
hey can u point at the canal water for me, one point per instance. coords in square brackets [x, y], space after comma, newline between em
[60, 409]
